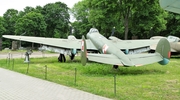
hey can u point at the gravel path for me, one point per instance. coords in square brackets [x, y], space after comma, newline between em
[22, 54]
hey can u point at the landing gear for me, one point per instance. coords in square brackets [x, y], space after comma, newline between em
[151, 51]
[72, 56]
[115, 66]
[61, 58]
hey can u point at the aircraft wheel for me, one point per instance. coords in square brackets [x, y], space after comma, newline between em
[61, 58]
[72, 56]
[115, 66]
[151, 51]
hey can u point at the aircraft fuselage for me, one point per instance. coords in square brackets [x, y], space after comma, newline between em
[175, 46]
[104, 46]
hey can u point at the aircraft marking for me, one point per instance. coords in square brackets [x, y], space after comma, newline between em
[169, 54]
[82, 46]
[104, 49]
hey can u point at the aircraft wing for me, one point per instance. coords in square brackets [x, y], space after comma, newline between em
[133, 44]
[76, 43]
[137, 59]
[55, 42]
[170, 5]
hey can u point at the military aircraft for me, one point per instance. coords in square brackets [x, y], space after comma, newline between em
[110, 51]
[172, 6]
[173, 40]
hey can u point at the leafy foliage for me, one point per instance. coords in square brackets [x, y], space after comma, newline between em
[128, 16]
[102, 15]
[173, 25]
[49, 21]
[10, 17]
[32, 23]
[143, 18]
[2, 26]
[81, 26]
[57, 18]
[148, 19]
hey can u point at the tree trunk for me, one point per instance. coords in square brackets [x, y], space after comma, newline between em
[126, 28]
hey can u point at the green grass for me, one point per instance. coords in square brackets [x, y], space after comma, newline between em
[151, 82]
[7, 51]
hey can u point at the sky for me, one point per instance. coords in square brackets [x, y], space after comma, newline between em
[21, 4]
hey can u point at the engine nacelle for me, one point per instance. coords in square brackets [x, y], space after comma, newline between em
[73, 53]
[56, 49]
[126, 51]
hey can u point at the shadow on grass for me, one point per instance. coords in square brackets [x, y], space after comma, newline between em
[92, 68]
[54, 61]
[121, 71]
[139, 71]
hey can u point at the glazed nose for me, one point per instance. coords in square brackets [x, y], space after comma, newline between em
[87, 36]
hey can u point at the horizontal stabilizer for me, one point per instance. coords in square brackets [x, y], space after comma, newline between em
[144, 59]
[104, 58]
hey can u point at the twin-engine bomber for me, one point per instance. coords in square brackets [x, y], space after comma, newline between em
[110, 51]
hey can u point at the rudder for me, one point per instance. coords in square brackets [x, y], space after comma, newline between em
[163, 47]
[83, 51]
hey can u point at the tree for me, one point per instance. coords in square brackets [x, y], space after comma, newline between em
[2, 26]
[26, 10]
[148, 19]
[10, 16]
[81, 26]
[2, 30]
[173, 25]
[32, 23]
[103, 15]
[125, 8]
[57, 19]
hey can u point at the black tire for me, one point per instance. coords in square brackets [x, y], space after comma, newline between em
[61, 58]
[115, 66]
[72, 56]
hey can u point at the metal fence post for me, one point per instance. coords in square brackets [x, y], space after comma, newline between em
[115, 84]
[13, 64]
[45, 72]
[75, 76]
[27, 68]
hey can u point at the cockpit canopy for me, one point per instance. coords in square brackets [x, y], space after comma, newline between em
[173, 39]
[93, 30]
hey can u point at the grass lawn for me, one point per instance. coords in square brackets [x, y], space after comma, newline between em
[151, 82]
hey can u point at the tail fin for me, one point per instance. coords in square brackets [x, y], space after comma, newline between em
[163, 47]
[83, 51]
